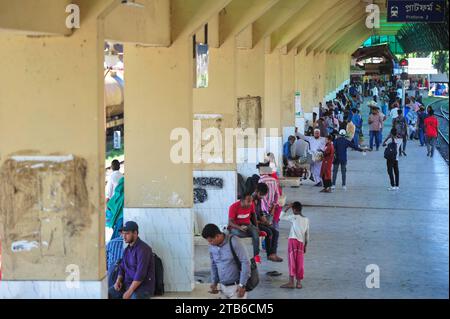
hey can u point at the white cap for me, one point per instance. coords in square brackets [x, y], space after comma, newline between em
[342, 132]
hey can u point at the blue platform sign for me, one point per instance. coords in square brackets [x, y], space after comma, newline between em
[416, 11]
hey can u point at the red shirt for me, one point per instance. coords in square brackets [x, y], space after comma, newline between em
[241, 216]
[431, 126]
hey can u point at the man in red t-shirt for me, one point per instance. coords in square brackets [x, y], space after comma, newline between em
[431, 131]
[242, 220]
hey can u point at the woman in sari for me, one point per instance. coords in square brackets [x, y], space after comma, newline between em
[327, 164]
[114, 209]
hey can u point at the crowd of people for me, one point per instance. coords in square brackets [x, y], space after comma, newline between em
[321, 150]
[256, 215]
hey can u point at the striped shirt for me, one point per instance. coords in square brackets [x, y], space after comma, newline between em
[114, 252]
[272, 196]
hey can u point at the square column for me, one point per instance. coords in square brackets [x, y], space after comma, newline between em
[159, 191]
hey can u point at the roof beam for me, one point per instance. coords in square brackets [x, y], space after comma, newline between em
[299, 22]
[340, 28]
[189, 15]
[319, 30]
[360, 31]
[355, 44]
[276, 17]
[238, 15]
[35, 17]
[348, 31]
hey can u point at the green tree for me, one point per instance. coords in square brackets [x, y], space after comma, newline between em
[440, 61]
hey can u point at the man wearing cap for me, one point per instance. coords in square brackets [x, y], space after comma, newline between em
[340, 148]
[136, 277]
[316, 144]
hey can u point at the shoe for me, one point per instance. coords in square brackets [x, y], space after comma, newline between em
[396, 188]
[344, 188]
[404, 153]
[392, 188]
[401, 154]
[319, 184]
[333, 187]
[257, 259]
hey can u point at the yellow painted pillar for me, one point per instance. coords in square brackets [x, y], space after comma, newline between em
[52, 163]
[159, 190]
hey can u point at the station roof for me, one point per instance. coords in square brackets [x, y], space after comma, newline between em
[382, 51]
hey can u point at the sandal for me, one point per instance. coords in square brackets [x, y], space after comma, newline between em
[288, 286]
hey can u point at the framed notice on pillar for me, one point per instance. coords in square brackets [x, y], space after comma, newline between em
[299, 116]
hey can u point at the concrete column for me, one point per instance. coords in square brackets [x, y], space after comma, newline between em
[52, 163]
[159, 192]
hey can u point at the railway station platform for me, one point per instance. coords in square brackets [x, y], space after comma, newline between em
[405, 233]
[194, 71]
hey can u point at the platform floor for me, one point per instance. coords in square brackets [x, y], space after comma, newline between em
[404, 232]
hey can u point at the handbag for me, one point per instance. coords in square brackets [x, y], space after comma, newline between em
[253, 281]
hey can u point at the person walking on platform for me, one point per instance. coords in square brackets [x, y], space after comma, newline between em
[357, 121]
[421, 116]
[401, 126]
[391, 154]
[340, 147]
[376, 124]
[327, 164]
[431, 132]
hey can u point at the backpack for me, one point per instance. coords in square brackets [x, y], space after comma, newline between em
[253, 281]
[115, 273]
[401, 126]
[390, 153]
[159, 276]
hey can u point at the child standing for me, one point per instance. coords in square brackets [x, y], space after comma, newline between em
[297, 242]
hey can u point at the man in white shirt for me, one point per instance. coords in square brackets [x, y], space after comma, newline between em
[375, 93]
[394, 112]
[316, 144]
[113, 179]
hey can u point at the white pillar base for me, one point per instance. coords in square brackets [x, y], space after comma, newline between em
[170, 234]
[53, 289]
[215, 208]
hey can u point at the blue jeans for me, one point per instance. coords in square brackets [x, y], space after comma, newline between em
[356, 138]
[374, 135]
[114, 294]
[252, 232]
[421, 136]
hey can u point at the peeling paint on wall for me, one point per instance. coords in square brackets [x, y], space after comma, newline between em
[44, 210]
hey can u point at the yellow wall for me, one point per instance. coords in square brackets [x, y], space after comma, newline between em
[158, 98]
[35, 16]
[52, 103]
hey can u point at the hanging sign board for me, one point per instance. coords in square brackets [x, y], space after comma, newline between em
[117, 140]
[415, 11]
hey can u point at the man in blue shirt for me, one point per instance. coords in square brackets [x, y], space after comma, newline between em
[340, 150]
[114, 252]
[421, 115]
[224, 268]
[287, 150]
[136, 279]
[357, 121]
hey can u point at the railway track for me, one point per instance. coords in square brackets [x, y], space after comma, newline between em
[443, 116]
